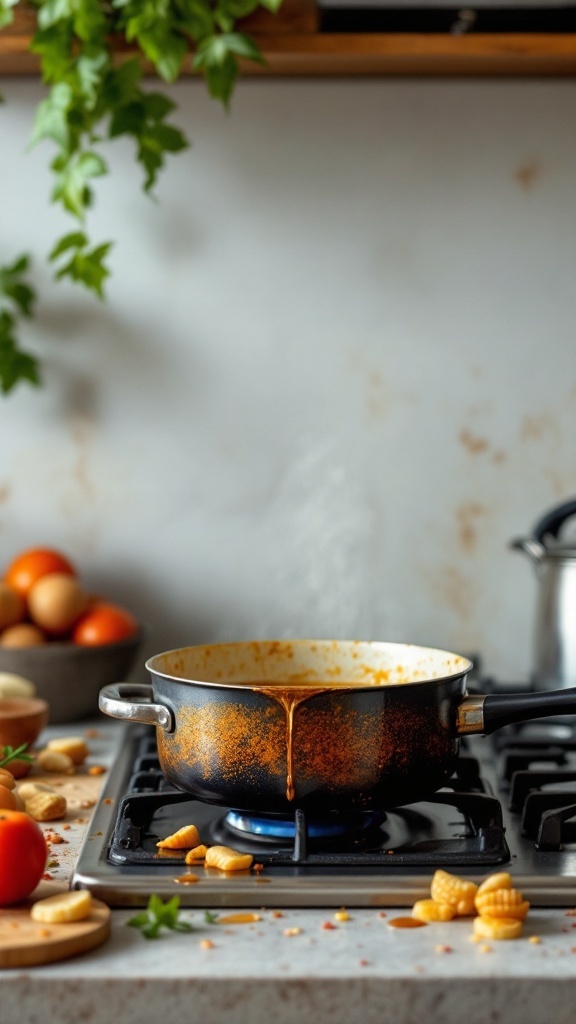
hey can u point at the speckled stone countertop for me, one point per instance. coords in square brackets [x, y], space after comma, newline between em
[288, 968]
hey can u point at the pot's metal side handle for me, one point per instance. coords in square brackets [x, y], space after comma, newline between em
[487, 713]
[530, 547]
[132, 702]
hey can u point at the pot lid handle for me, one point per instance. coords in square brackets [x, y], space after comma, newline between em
[551, 522]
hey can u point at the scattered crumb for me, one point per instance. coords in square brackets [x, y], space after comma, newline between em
[206, 944]
[65, 827]
[382, 914]
[277, 913]
[44, 933]
[443, 949]
[97, 769]
[292, 931]
[92, 734]
[342, 915]
[364, 963]
[328, 926]
[107, 800]
[87, 803]
[571, 913]
[485, 949]
[535, 940]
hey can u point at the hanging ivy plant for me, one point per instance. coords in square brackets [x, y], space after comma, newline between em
[92, 98]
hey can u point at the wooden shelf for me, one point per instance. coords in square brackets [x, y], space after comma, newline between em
[292, 45]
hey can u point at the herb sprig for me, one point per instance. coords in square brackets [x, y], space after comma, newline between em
[159, 915]
[8, 754]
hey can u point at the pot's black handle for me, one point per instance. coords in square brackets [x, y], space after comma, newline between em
[550, 523]
[478, 714]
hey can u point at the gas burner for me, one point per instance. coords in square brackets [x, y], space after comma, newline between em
[272, 827]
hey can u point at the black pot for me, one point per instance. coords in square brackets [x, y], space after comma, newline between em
[328, 726]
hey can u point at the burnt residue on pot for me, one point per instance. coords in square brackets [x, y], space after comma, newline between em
[280, 746]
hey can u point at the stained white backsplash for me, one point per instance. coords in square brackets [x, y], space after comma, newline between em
[335, 373]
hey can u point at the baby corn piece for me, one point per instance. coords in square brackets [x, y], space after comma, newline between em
[507, 903]
[183, 839]
[430, 910]
[226, 859]
[499, 880]
[63, 908]
[197, 855]
[497, 927]
[454, 891]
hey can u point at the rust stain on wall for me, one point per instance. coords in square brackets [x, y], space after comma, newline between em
[536, 428]
[473, 444]
[529, 174]
[467, 517]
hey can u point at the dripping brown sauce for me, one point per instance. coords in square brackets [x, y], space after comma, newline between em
[289, 697]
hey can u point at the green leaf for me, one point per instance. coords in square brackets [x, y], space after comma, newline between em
[75, 240]
[195, 17]
[242, 45]
[6, 14]
[215, 58]
[159, 915]
[85, 266]
[91, 71]
[72, 188]
[54, 47]
[14, 291]
[143, 118]
[15, 365]
[164, 49]
[272, 5]
[211, 917]
[51, 121]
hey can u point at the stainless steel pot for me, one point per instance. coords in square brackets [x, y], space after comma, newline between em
[555, 621]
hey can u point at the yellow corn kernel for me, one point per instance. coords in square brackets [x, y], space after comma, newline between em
[454, 891]
[342, 915]
[499, 880]
[430, 910]
[497, 928]
[75, 905]
[183, 839]
[197, 855]
[502, 903]
[226, 859]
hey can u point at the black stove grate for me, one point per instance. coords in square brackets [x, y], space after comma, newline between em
[459, 826]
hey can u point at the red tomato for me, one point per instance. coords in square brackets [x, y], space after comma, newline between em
[104, 624]
[30, 566]
[23, 855]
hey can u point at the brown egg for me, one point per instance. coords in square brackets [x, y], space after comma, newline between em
[56, 602]
[12, 606]
[24, 634]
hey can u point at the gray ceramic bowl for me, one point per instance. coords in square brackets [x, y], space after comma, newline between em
[69, 676]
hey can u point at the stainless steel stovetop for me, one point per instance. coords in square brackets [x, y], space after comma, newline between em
[512, 806]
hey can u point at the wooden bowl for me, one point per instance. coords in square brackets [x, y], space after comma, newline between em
[22, 721]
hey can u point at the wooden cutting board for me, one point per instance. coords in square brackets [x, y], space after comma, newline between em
[26, 943]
